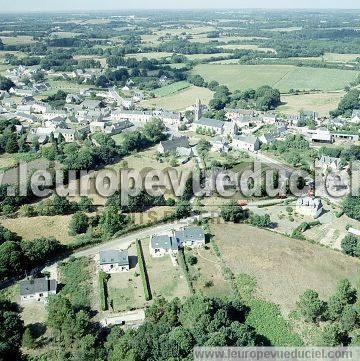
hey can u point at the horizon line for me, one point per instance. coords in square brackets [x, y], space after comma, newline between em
[175, 9]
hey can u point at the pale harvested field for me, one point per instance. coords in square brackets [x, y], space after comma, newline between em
[41, 226]
[153, 55]
[283, 267]
[181, 100]
[341, 58]
[17, 40]
[165, 279]
[321, 103]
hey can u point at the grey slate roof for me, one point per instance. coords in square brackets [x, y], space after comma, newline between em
[114, 256]
[190, 234]
[208, 122]
[246, 139]
[164, 242]
[37, 285]
[175, 142]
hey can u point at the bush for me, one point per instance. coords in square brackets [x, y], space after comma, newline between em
[183, 265]
[260, 221]
[351, 245]
[143, 271]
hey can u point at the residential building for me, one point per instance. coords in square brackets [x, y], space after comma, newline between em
[190, 237]
[320, 135]
[171, 145]
[243, 142]
[160, 245]
[328, 163]
[355, 117]
[208, 124]
[114, 261]
[309, 206]
[37, 288]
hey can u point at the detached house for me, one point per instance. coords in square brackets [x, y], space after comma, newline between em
[246, 143]
[173, 144]
[37, 289]
[308, 206]
[161, 245]
[114, 261]
[190, 237]
[355, 117]
[328, 163]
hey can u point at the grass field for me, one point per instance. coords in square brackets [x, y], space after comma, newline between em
[284, 267]
[166, 280]
[180, 100]
[151, 55]
[42, 226]
[171, 88]
[283, 77]
[341, 58]
[206, 273]
[205, 56]
[247, 47]
[321, 103]
[17, 40]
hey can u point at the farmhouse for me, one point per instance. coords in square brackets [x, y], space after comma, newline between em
[37, 288]
[161, 245]
[309, 206]
[114, 261]
[250, 143]
[190, 237]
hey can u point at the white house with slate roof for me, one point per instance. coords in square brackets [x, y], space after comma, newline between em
[191, 236]
[114, 261]
[37, 289]
[243, 142]
[355, 117]
[213, 125]
[160, 245]
[309, 206]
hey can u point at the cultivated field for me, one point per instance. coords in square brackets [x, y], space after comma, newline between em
[151, 55]
[321, 103]
[283, 77]
[247, 47]
[171, 88]
[180, 100]
[17, 40]
[284, 267]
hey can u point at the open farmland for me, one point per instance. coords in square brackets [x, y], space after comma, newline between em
[283, 267]
[171, 88]
[17, 40]
[151, 55]
[180, 100]
[322, 103]
[283, 77]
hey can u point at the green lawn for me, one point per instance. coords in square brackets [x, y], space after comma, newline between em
[171, 88]
[283, 77]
